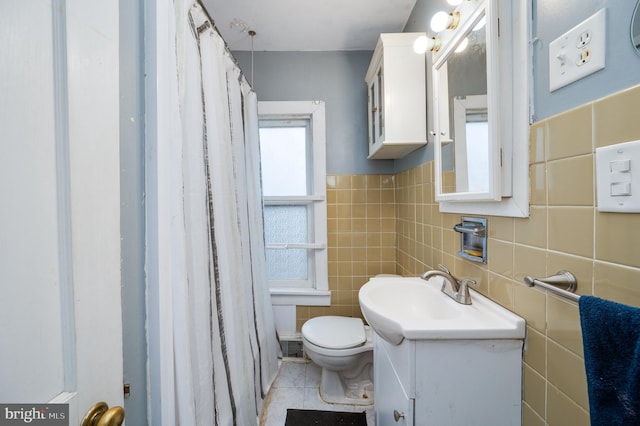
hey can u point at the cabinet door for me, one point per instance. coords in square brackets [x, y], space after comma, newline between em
[376, 110]
[390, 397]
[380, 105]
[373, 114]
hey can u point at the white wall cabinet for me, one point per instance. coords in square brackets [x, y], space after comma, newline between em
[448, 382]
[397, 97]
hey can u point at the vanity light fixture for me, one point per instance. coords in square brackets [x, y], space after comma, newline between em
[443, 21]
[424, 43]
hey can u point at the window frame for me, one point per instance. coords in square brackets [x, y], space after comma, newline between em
[315, 291]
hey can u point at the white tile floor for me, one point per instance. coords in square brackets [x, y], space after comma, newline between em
[296, 386]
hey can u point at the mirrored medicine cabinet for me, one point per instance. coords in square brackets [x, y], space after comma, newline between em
[481, 117]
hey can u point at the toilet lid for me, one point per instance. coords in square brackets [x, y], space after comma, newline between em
[334, 332]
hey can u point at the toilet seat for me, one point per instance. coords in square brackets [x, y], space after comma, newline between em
[334, 332]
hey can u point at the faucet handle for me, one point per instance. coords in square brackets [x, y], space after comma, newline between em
[444, 268]
[463, 296]
[468, 282]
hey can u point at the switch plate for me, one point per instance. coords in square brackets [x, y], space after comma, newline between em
[578, 52]
[618, 177]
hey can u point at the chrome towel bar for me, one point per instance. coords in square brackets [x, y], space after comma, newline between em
[563, 283]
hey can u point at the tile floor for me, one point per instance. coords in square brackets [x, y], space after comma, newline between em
[296, 386]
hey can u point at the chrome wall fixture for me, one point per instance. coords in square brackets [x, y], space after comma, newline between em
[563, 283]
[473, 238]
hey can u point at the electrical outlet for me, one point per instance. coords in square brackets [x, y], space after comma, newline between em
[583, 39]
[578, 52]
[583, 58]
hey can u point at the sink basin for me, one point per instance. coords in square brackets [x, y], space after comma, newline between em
[399, 308]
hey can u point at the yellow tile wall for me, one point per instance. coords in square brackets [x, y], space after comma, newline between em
[391, 224]
[564, 231]
[361, 240]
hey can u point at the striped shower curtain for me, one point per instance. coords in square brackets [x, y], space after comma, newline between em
[209, 311]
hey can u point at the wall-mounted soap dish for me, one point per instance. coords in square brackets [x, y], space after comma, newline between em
[473, 238]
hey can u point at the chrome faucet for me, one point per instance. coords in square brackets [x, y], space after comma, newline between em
[457, 290]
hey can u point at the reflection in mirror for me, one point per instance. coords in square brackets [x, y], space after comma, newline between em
[471, 124]
[465, 131]
[635, 28]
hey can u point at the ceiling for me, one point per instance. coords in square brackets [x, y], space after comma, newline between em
[307, 25]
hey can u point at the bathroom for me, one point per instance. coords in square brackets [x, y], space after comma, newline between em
[563, 231]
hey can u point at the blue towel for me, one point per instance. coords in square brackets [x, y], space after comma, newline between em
[611, 338]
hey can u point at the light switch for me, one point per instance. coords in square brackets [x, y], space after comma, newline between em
[620, 166]
[620, 188]
[618, 177]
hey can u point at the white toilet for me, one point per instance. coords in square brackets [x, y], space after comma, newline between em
[343, 347]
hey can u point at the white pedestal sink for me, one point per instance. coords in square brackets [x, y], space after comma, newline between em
[440, 362]
[400, 308]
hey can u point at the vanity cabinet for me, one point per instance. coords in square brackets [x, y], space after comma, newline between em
[448, 382]
[396, 398]
[396, 97]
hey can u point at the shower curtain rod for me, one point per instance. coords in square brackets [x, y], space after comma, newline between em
[211, 24]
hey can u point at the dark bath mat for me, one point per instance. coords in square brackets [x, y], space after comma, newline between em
[324, 418]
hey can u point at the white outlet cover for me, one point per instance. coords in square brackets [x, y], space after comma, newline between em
[565, 52]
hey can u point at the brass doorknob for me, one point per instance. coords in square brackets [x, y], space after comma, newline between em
[101, 415]
[397, 415]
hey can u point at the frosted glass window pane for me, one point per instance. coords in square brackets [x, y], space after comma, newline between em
[290, 264]
[283, 152]
[285, 224]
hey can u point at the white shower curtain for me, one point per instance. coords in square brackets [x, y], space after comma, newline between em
[212, 341]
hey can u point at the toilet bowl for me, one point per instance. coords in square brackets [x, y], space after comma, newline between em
[343, 348]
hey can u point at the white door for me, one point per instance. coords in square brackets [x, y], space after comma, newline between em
[60, 319]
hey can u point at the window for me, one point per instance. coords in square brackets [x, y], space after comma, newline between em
[292, 149]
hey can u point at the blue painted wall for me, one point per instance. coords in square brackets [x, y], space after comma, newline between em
[337, 78]
[132, 214]
[552, 18]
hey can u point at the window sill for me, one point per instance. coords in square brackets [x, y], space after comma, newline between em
[298, 296]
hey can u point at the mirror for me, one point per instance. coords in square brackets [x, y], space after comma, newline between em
[463, 82]
[635, 28]
[465, 144]
[481, 113]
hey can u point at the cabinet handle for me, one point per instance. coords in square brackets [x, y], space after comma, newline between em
[374, 110]
[397, 415]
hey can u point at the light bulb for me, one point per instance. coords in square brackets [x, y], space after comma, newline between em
[440, 21]
[424, 43]
[454, 2]
[421, 44]
[463, 45]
